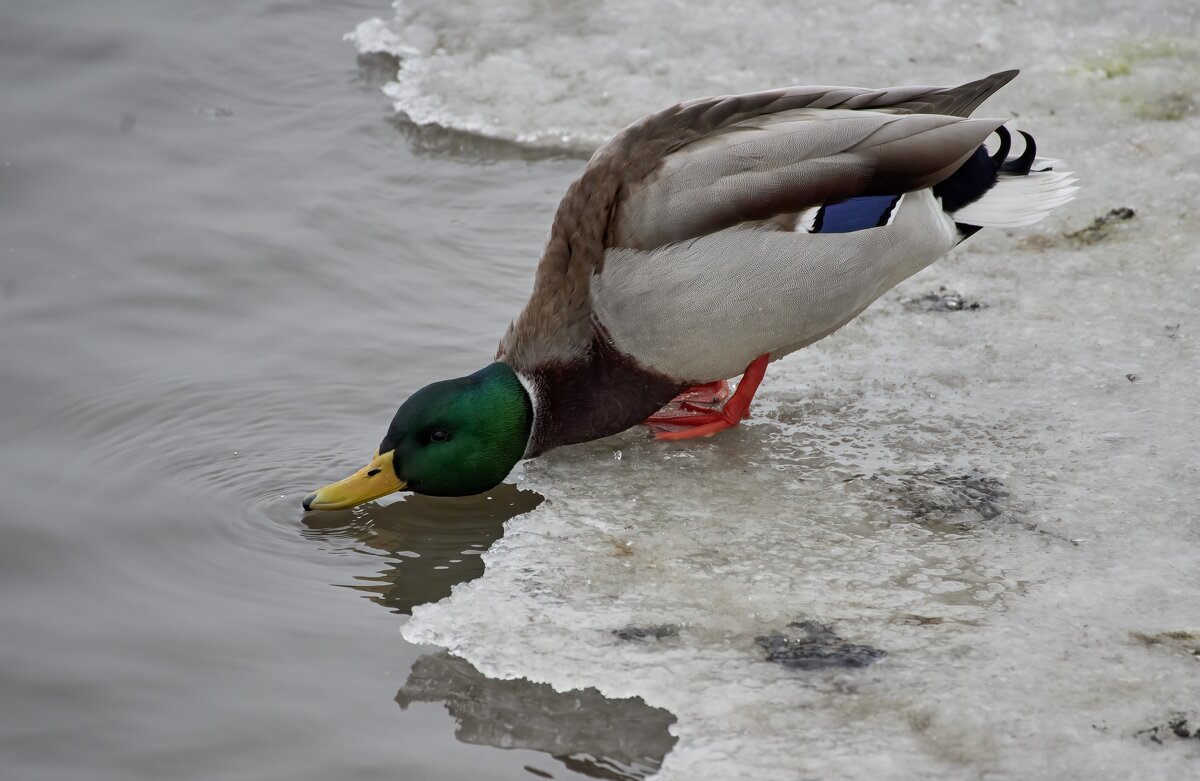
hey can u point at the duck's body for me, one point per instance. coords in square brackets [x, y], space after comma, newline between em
[726, 232]
[722, 229]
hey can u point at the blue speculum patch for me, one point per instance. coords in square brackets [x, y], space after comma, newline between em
[855, 214]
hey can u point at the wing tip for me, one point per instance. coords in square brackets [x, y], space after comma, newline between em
[973, 93]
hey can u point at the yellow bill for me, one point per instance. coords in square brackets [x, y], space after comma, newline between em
[374, 480]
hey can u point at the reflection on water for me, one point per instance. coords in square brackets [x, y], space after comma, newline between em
[430, 543]
[587, 732]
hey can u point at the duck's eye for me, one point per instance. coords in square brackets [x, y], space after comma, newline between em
[438, 435]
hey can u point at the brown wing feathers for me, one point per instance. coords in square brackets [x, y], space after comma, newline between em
[693, 168]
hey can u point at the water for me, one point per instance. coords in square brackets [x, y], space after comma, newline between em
[225, 260]
[223, 266]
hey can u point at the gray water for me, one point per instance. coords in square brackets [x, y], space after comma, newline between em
[223, 265]
[230, 247]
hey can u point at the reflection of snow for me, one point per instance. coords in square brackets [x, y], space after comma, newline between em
[587, 732]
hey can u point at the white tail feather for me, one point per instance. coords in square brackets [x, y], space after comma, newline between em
[1018, 200]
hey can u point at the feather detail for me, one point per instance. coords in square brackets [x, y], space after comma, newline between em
[1019, 200]
[806, 220]
[856, 214]
[1021, 191]
[788, 162]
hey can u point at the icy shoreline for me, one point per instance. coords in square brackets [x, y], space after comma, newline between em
[1000, 495]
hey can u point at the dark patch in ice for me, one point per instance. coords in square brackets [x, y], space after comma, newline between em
[1134, 378]
[1176, 640]
[954, 503]
[919, 620]
[1171, 331]
[1174, 727]
[584, 730]
[931, 495]
[642, 633]
[621, 547]
[1168, 107]
[1102, 227]
[1180, 729]
[819, 648]
[941, 300]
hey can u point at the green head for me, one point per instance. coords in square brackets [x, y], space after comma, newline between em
[461, 437]
[451, 438]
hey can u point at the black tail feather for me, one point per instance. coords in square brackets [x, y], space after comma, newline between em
[1021, 166]
[981, 172]
[972, 179]
[1005, 144]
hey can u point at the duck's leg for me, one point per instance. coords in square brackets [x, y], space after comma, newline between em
[704, 398]
[704, 422]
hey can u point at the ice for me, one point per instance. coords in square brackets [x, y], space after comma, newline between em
[966, 478]
[570, 73]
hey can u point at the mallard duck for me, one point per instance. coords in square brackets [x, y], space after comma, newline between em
[703, 242]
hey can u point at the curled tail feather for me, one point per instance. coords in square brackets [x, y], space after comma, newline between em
[994, 191]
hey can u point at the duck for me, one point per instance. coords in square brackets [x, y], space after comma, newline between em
[705, 241]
